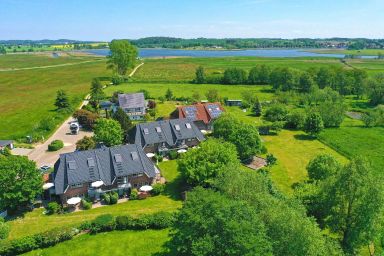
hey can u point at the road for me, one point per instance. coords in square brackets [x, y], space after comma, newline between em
[40, 153]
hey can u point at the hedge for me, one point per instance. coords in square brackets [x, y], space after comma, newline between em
[103, 223]
[55, 145]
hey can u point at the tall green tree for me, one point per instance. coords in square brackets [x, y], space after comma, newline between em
[211, 224]
[257, 109]
[85, 143]
[313, 124]
[20, 182]
[234, 76]
[62, 101]
[200, 75]
[97, 92]
[201, 165]
[125, 122]
[244, 136]
[306, 82]
[122, 56]
[169, 94]
[108, 131]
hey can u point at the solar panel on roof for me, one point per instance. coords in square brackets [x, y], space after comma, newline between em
[118, 158]
[190, 112]
[134, 155]
[72, 165]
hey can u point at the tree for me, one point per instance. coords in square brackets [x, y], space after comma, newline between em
[168, 95]
[306, 82]
[200, 75]
[122, 56]
[212, 95]
[244, 136]
[295, 120]
[375, 89]
[85, 143]
[125, 122]
[109, 132]
[276, 112]
[322, 167]
[2, 50]
[211, 224]
[313, 124]
[115, 96]
[20, 182]
[97, 93]
[62, 101]
[86, 119]
[234, 76]
[369, 119]
[201, 165]
[257, 108]
[259, 75]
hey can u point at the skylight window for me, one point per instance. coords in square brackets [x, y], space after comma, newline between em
[188, 125]
[91, 162]
[158, 129]
[146, 131]
[72, 165]
[177, 127]
[134, 155]
[118, 158]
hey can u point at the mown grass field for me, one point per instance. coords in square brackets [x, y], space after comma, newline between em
[35, 221]
[130, 243]
[27, 96]
[371, 52]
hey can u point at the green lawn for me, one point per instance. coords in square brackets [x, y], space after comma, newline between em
[132, 243]
[27, 96]
[187, 90]
[358, 141]
[294, 150]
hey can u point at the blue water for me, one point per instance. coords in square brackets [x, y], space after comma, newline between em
[161, 52]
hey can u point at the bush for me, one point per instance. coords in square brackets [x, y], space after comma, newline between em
[86, 225]
[276, 112]
[157, 189]
[295, 120]
[161, 220]
[271, 159]
[55, 145]
[114, 198]
[106, 198]
[102, 223]
[159, 158]
[124, 222]
[116, 80]
[54, 236]
[86, 205]
[173, 155]
[4, 229]
[86, 118]
[134, 194]
[24, 244]
[53, 207]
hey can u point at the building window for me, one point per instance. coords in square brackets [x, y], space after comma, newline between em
[77, 185]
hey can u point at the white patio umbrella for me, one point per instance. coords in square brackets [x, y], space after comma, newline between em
[146, 188]
[204, 132]
[48, 186]
[180, 151]
[150, 155]
[97, 184]
[74, 200]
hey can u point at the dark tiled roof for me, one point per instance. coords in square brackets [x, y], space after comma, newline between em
[201, 111]
[133, 100]
[100, 164]
[165, 131]
[4, 143]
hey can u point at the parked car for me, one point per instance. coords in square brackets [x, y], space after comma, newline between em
[45, 168]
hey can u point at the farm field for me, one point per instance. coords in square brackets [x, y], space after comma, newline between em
[27, 96]
[372, 52]
[132, 243]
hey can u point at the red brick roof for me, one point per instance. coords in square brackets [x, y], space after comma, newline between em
[199, 111]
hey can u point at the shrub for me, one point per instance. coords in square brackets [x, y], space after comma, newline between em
[124, 222]
[161, 220]
[295, 120]
[86, 225]
[86, 205]
[106, 198]
[114, 198]
[24, 244]
[159, 158]
[4, 229]
[276, 113]
[54, 236]
[102, 223]
[271, 159]
[134, 194]
[86, 118]
[55, 145]
[53, 207]
[157, 189]
[116, 80]
[173, 154]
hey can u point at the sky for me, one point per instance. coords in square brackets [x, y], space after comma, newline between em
[105, 20]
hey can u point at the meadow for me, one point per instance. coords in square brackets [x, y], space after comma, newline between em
[27, 96]
[371, 52]
[130, 243]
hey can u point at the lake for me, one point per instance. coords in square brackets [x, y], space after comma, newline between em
[282, 53]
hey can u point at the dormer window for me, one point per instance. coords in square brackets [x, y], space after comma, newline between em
[72, 165]
[91, 162]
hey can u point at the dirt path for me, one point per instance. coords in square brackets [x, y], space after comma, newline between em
[136, 68]
[50, 66]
